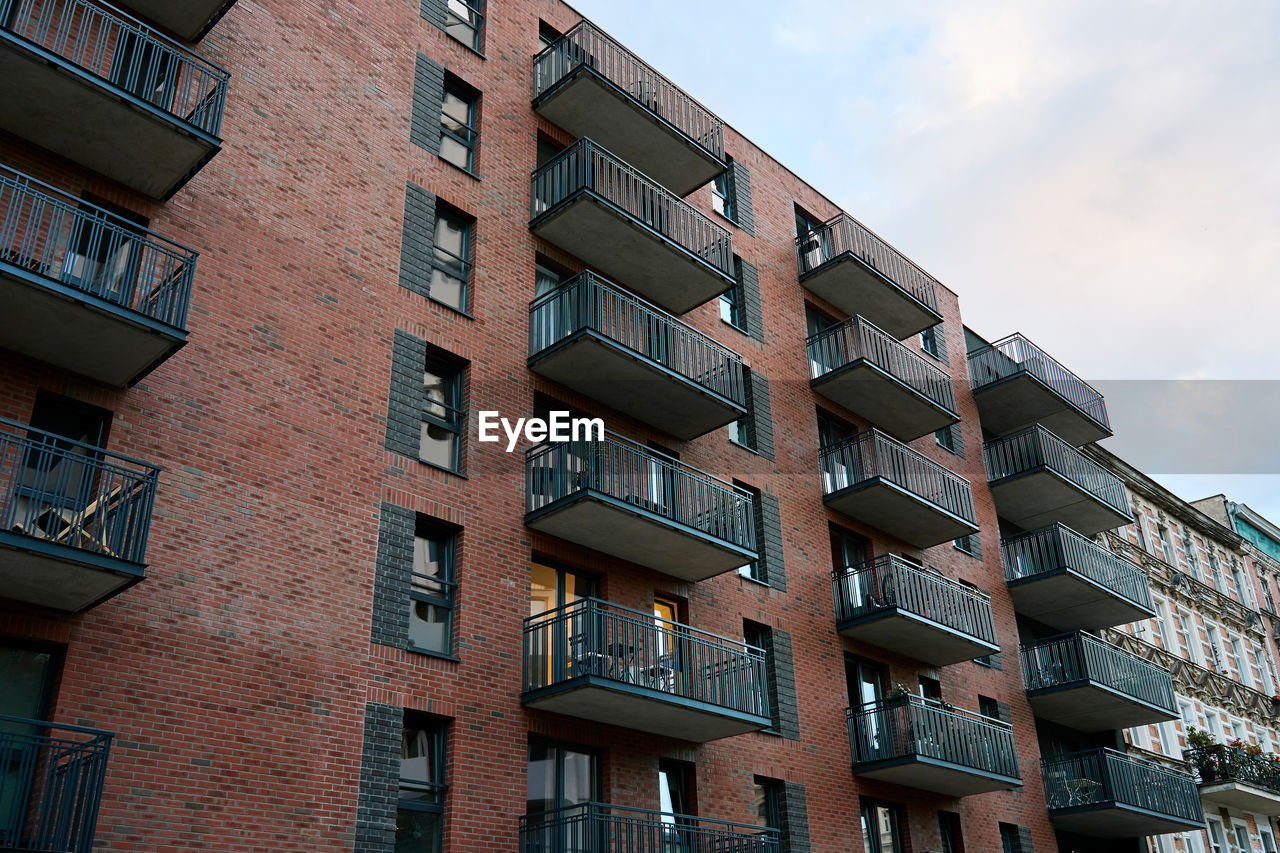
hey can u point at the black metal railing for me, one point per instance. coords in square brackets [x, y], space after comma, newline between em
[1034, 447]
[603, 828]
[586, 45]
[1016, 354]
[872, 454]
[626, 471]
[50, 785]
[907, 725]
[585, 166]
[1076, 657]
[1101, 776]
[857, 338]
[1218, 763]
[1058, 547]
[67, 493]
[889, 582]
[589, 302]
[842, 234]
[595, 638]
[124, 53]
[56, 236]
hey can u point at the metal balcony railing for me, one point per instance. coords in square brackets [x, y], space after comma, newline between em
[595, 638]
[586, 45]
[1059, 661]
[1218, 763]
[1016, 354]
[1100, 776]
[843, 234]
[124, 53]
[907, 725]
[51, 785]
[603, 828]
[589, 302]
[889, 582]
[1057, 546]
[45, 232]
[64, 492]
[873, 454]
[619, 468]
[587, 167]
[1034, 447]
[857, 338]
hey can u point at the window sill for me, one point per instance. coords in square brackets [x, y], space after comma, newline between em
[429, 653]
[473, 175]
[442, 468]
[756, 581]
[742, 446]
[735, 327]
[451, 308]
[732, 222]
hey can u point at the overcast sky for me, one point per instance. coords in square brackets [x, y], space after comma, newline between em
[1103, 177]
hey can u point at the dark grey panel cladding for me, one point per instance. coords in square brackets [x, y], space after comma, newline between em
[740, 180]
[782, 675]
[406, 400]
[392, 576]
[417, 239]
[761, 413]
[794, 818]
[769, 537]
[749, 290]
[379, 779]
[1025, 844]
[428, 97]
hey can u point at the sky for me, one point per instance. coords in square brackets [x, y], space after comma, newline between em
[1103, 177]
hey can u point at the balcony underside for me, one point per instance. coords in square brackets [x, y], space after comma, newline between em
[634, 532]
[63, 326]
[604, 370]
[1116, 820]
[1021, 400]
[1091, 707]
[645, 709]
[1041, 496]
[1241, 795]
[856, 288]
[190, 19]
[50, 574]
[931, 774]
[916, 636]
[586, 104]
[631, 252]
[1068, 601]
[892, 509]
[890, 404]
[55, 104]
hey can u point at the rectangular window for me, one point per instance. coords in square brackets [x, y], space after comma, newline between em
[881, 828]
[432, 589]
[1009, 840]
[768, 799]
[1242, 589]
[1215, 648]
[742, 431]
[442, 414]
[1217, 838]
[722, 200]
[559, 776]
[458, 134]
[731, 306]
[420, 810]
[949, 438]
[1186, 636]
[756, 570]
[1138, 523]
[971, 545]
[1166, 546]
[949, 832]
[464, 20]
[1240, 661]
[1242, 836]
[758, 636]
[931, 341]
[1193, 565]
[1268, 840]
[451, 258]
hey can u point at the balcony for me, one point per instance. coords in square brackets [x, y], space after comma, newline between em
[624, 499]
[1016, 384]
[625, 224]
[190, 19]
[1089, 685]
[75, 519]
[885, 484]
[1108, 794]
[1037, 479]
[84, 289]
[592, 86]
[922, 744]
[98, 87]
[1233, 778]
[592, 336]
[846, 264]
[914, 611]
[1068, 582]
[599, 828]
[52, 785]
[857, 365]
[602, 662]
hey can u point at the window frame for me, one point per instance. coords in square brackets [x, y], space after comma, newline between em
[949, 445]
[447, 212]
[437, 730]
[476, 9]
[929, 342]
[724, 193]
[470, 96]
[428, 528]
[871, 842]
[454, 420]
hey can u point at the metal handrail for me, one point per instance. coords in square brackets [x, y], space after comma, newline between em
[584, 44]
[872, 454]
[890, 582]
[1218, 763]
[859, 338]
[125, 53]
[1035, 447]
[1104, 775]
[51, 234]
[1077, 656]
[593, 826]
[1015, 354]
[586, 166]
[842, 234]
[1057, 547]
[909, 725]
[588, 301]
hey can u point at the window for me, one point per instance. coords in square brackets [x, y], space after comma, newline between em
[742, 431]
[420, 812]
[768, 798]
[451, 258]
[1188, 714]
[881, 828]
[1268, 840]
[1217, 838]
[931, 341]
[103, 254]
[1166, 546]
[442, 413]
[458, 135]
[731, 310]
[971, 545]
[431, 592]
[1215, 569]
[949, 832]
[1138, 523]
[547, 35]
[1240, 661]
[1010, 838]
[806, 223]
[722, 200]
[949, 439]
[758, 636]
[989, 708]
[1265, 583]
[847, 548]
[930, 688]
[1215, 648]
[1193, 565]
[1242, 589]
[464, 20]
[1242, 836]
[1185, 636]
[559, 776]
[58, 474]
[1162, 623]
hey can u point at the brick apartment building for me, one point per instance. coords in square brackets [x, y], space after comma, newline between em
[829, 583]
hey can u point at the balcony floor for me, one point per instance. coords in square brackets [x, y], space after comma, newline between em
[856, 288]
[1021, 400]
[1116, 820]
[604, 370]
[892, 509]
[884, 400]
[49, 574]
[1241, 795]
[916, 637]
[931, 774]
[1041, 496]
[1068, 601]
[63, 108]
[190, 19]
[1088, 706]
[586, 104]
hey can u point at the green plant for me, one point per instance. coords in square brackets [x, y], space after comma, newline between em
[1199, 738]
